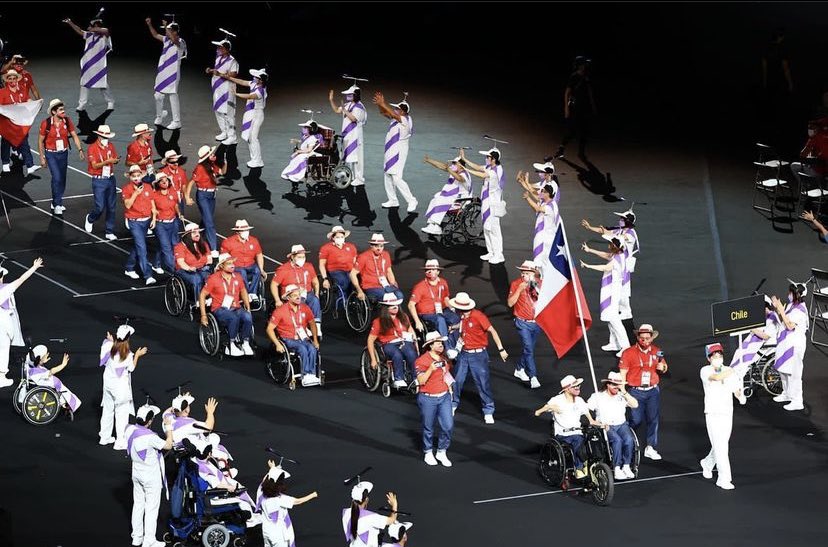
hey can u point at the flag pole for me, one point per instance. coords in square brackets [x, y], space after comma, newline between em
[575, 287]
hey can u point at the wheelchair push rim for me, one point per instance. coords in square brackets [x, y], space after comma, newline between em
[279, 367]
[175, 296]
[370, 376]
[210, 336]
[358, 313]
[771, 380]
[16, 402]
[341, 177]
[41, 406]
[551, 463]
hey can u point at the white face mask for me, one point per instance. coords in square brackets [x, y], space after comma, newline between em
[339, 240]
[717, 362]
[300, 261]
[244, 234]
[104, 142]
[811, 132]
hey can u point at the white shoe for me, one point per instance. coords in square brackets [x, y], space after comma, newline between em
[59, 209]
[651, 453]
[108, 440]
[488, 418]
[620, 351]
[174, 125]
[497, 260]
[119, 445]
[160, 120]
[253, 297]
[110, 106]
[707, 472]
[149, 231]
[486, 256]
[110, 237]
[221, 136]
[725, 485]
[254, 164]
[534, 383]
[230, 141]
[247, 349]
[741, 398]
[432, 228]
[254, 520]
[6, 168]
[5, 381]
[794, 406]
[610, 347]
[131, 273]
[442, 458]
[227, 350]
[521, 374]
[150, 281]
[451, 353]
[412, 206]
[86, 224]
[619, 474]
[309, 380]
[781, 399]
[389, 204]
[400, 384]
[214, 254]
[319, 330]
[430, 459]
[358, 183]
[158, 270]
[628, 472]
[32, 169]
[235, 351]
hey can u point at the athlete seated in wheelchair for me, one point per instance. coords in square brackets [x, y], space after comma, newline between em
[249, 261]
[394, 334]
[292, 330]
[755, 358]
[336, 260]
[230, 310]
[610, 406]
[193, 265]
[40, 395]
[458, 186]
[372, 278]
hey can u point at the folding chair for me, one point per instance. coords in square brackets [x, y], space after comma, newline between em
[818, 306]
[769, 182]
[812, 193]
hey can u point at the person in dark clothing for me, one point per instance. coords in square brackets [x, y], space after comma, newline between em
[579, 107]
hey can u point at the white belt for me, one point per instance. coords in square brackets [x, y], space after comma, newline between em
[643, 388]
[139, 219]
[166, 221]
[434, 394]
[206, 189]
[473, 350]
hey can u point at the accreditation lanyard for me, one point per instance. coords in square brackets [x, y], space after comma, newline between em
[229, 299]
[438, 302]
[59, 146]
[645, 374]
[106, 170]
[301, 282]
[299, 328]
[380, 273]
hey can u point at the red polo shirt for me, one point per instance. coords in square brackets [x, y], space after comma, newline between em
[287, 319]
[59, 131]
[525, 306]
[243, 251]
[218, 288]
[290, 274]
[165, 204]
[386, 336]
[474, 330]
[338, 259]
[436, 383]
[181, 251]
[7, 96]
[178, 178]
[138, 151]
[635, 361]
[204, 175]
[142, 206]
[424, 295]
[97, 153]
[371, 266]
[26, 81]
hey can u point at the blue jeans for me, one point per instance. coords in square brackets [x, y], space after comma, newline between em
[442, 321]
[24, 149]
[313, 303]
[378, 293]
[206, 202]
[235, 321]
[195, 279]
[343, 279]
[478, 365]
[138, 229]
[307, 353]
[649, 407]
[58, 163]
[165, 234]
[401, 356]
[528, 333]
[621, 443]
[575, 441]
[252, 276]
[436, 409]
[104, 191]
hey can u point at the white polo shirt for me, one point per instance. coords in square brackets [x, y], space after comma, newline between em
[569, 415]
[609, 409]
[718, 395]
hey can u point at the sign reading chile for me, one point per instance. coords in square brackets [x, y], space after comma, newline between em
[739, 314]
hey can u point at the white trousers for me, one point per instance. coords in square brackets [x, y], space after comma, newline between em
[175, 107]
[494, 238]
[719, 427]
[117, 411]
[274, 540]
[253, 139]
[146, 498]
[5, 347]
[83, 99]
[792, 382]
[396, 182]
[624, 308]
[617, 333]
[356, 166]
[227, 125]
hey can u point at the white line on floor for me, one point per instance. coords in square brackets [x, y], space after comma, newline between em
[507, 498]
[44, 200]
[47, 278]
[78, 295]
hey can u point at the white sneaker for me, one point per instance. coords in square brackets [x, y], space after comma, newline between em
[497, 260]
[442, 458]
[486, 256]
[725, 485]
[246, 348]
[158, 270]
[619, 474]
[521, 374]
[400, 384]
[5, 381]
[227, 350]
[6, 168]
[108, 440]
[534, 383]
[119, 445]
[794, 406]
[32, 169]
[389, 204]
[214, 254]
[412, 206]
[131, 273]
[651, 453]
[110, 106]
[707, 472]
[230, 141]
[610, 347]
[430, 459]
[781, 399]
[488, 418]
[235, 351]
[150, 281]
[254, 164]
[160, 120]
[432, 228]
[221, 136]
[110, 237]
[309, 380]
[358, 183]
[86, 224]
[628, 472]
[174, 125]
[59, 209]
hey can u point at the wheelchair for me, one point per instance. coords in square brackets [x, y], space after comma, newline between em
[762, 373]
[199, 514]
[463, 223]
[286, 368]
[382, 377]
[39, 405]
[358, 313]
[557, 468]
[178, 292]
[325, 165]
[214, 338]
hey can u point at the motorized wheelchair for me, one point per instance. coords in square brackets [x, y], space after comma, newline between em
[358, 313]
[202, 515]
[179, 294]
[557, 468]
[382, 377]
[213, 338]
[286, 368]
[39, 405]
[762, 373]
[325, 165]
[462, 223]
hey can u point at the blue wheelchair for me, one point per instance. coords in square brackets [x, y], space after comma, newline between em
[201, 515]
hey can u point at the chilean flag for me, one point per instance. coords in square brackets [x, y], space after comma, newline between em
[556, 310]
[16, 119]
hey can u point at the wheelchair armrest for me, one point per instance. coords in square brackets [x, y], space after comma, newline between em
[223, 493]
[463, 200]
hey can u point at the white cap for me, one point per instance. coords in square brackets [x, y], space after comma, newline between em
[123, 332]
[40, 350]
[178, 402]
[351, 90]
[145, 410]
[277, 472]
[612, 238]
[258, 73]
[359, 491]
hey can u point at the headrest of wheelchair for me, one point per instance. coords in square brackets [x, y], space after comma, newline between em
[398, 529]
[144, 412]
[359, 491]
[276, 473]
[178, 402]
[124, 332]
[39, 351]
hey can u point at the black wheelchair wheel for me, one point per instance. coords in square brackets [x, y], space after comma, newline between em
[239, 541]
[386, 389]
[472, 223]
[552, 464]
[41, 405]
[636, 461]
[279, 367]
[175, 296]
[209, 337]
[771, 380]
[341, 177]
[319, 372]
[325, 298]
[216, 535]
[603, 485]
[413, 387]
[358, 313]
[370, 376]
[17, 403]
